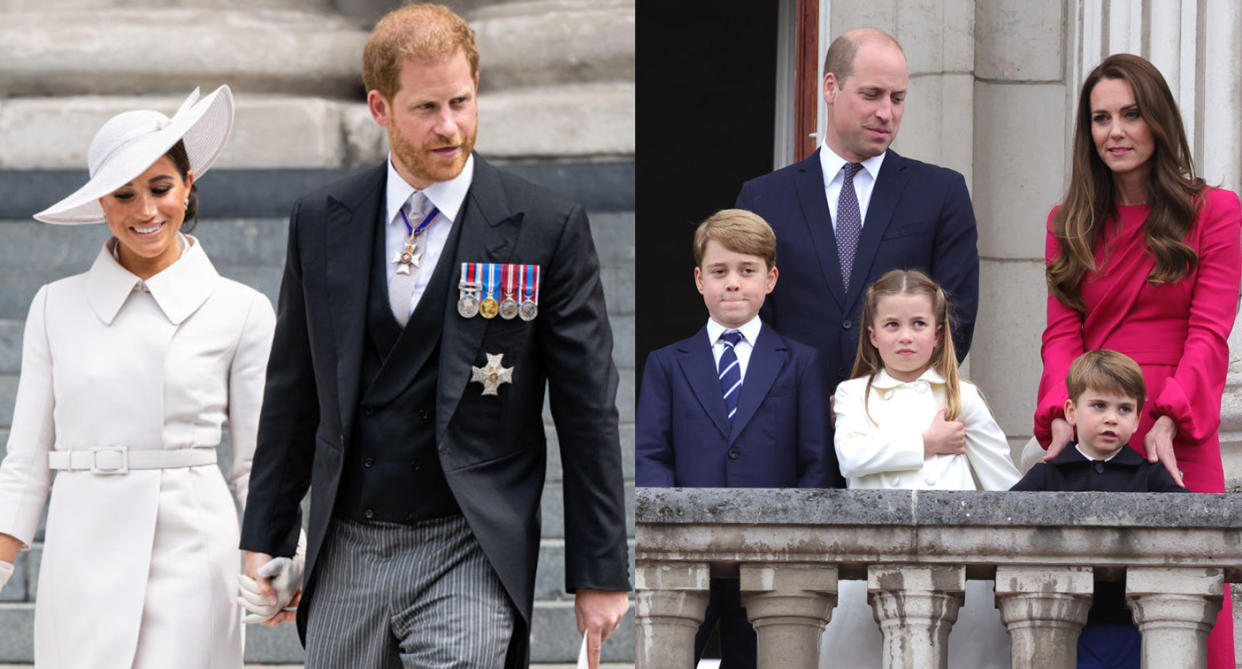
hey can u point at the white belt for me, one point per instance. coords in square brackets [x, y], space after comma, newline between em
[120, 459]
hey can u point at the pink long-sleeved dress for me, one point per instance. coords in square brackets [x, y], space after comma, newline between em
[1176, 332]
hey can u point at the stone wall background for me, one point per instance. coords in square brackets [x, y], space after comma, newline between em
[555, 105]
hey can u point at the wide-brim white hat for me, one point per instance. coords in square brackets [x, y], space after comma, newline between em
[132, 141]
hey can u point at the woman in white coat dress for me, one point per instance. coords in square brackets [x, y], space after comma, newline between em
[129, 371]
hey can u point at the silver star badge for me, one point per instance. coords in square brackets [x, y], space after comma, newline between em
[492, 375]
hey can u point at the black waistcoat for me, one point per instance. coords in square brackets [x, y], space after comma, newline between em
[392, 470]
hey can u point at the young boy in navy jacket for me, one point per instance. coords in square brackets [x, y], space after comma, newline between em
[1106, 395]
[736, 405]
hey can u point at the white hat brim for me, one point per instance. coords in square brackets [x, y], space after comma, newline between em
[203, 126]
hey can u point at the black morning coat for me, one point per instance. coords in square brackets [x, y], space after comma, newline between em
[1128, 471]
[491, 447]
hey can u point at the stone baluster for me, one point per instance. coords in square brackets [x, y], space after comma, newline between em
[916, 607]
[1175, 609]
[789, 605]
[670, 602]
[1044, 610]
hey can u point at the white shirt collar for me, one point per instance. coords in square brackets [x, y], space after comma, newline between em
[447, 196]
[883, 380]
[1078, 448]
[179, 290]
[831, 163]
[750, 330]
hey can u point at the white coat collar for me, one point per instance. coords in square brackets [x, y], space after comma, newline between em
[179, 290]
[884, 382]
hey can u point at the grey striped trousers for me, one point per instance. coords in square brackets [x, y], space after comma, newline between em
[406, 596]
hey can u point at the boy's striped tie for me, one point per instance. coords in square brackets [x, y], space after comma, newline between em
[730, 372]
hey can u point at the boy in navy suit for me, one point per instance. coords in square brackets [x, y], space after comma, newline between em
[1106, 394]
[736, 405]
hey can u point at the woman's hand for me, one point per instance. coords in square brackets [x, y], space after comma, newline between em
[1062, 434]
[1159, 446]
[944, 437]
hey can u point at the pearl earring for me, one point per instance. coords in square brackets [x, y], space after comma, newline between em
[186, 203]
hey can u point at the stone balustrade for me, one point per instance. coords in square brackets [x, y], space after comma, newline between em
[916, 549]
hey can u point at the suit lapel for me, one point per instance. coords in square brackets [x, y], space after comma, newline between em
[809, 185]
[351, 227]
[488, 234]
[699, 367]
[767, 358]
[883, 204]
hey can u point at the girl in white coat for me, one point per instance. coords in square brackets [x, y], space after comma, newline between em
[129, 371]
[905, 420]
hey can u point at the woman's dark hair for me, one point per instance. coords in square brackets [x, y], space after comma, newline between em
[1173, 190]
[182, 160]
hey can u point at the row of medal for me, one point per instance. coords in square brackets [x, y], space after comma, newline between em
[491, 289]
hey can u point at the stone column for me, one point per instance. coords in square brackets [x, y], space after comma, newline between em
[670, 602]
[789, 605]
[1175, 610]
[1044, 611]
[916, 607]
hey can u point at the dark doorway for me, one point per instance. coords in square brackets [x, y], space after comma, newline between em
[706, 78]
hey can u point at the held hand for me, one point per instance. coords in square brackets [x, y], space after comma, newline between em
[1159, 446]
[1062, 434]
[599, 612]
[832, 411]
[270, 586]
[944, 437]
[6, 572]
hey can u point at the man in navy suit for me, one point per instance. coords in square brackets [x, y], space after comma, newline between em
[833, 242]
[736, 405]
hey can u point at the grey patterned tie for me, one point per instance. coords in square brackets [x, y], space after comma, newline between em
[401, 286]
[849, 223]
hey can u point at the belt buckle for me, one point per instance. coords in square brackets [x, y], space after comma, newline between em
[111, 455]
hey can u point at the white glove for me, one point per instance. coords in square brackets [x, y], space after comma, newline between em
[6, 572]
[285, 576]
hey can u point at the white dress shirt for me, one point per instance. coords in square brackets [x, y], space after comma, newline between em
[834, 177]
[750, 333]
[448, 197]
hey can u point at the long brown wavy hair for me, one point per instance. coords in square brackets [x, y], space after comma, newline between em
[869, 363]
[1173, 191]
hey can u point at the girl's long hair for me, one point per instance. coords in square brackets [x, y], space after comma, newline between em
[1173, 190]
[944, 360]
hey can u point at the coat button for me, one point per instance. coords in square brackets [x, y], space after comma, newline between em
[368, 463]
[369, 514]
[368, 410]
[847, 324]
[734, 454]
[416, 465]
[1099, 468]
[424, 415]
[922, 386]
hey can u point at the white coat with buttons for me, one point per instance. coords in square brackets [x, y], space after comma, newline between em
[881, 445]
[138, 569]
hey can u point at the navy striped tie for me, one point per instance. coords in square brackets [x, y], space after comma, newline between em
[730, 372]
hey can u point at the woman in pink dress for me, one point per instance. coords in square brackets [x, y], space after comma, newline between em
[1144, 258]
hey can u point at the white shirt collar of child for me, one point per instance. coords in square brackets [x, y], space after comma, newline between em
[883, 381]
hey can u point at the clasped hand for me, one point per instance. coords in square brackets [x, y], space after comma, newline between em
[944, 437]
[270, 589]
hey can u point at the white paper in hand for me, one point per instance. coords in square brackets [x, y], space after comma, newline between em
[582, 655]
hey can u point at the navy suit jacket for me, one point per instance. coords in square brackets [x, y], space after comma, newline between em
[778, 438]
[919, 217]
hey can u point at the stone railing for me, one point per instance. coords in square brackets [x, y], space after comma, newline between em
[916, 549]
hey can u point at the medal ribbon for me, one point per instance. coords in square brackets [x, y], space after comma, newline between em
[508, 280]
[528, 277]
[414, 232]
